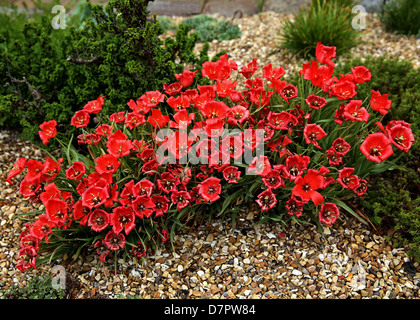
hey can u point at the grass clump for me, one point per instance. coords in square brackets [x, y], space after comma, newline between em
[328, 22]
[401, 16]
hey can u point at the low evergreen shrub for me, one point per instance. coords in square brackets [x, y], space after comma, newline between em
[393, 201]
[48, 73]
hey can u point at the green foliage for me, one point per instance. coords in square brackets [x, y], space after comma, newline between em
[392, 201]
[48, 73]
[328, 22]
[393, 196]
[401, 16]
[209, 28]
[36, 288]
[167, 24]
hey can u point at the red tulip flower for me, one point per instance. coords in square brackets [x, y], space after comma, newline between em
[341, 147]
[102, 249]
[401, 136]
[157, 119]
[29, 186]
[17, 168]
[324, 54]
[354, 112]
[117, 117]
[281, 121]
[181, 199]
[266, 200]
[306, 186]
[273, 179]
[133, 120]
[48, 131]
[280, 145]
[376, 147]
[231, 174]
[316, 102]
[210, 189]
[248, 70]
[173, 88]
[57, 211]
[98, 220]
[80, 119]
[143, 206]
[114, 241]
[329, 213]
[224, 88]
[51, 169]
[237, 114]
[94, 106]
[161, 205]
[94, 196]
[333, 157]
[380, 102]
[313, 133]
[343, 90]
[347, 179]
[181, 102]
[260, 165]
[186, 78]
[140, 250]
[26, 258]
[362, 188]
[41, 228]
[182, 119]
[294, 206]
[122, 218]
[76, 171]
[271, 73]
[152, 98]
[167, 182]
[107, 163]
[361, 74]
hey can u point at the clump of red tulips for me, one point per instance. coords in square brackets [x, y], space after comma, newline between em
[298, 150]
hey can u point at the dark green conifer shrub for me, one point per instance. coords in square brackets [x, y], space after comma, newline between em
[116, 52]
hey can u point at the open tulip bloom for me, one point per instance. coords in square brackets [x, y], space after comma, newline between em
[296, 150]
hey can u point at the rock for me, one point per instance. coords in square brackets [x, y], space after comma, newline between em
[296, 272]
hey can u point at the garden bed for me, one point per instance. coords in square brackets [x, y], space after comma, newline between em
[252, 261]
[214, 260]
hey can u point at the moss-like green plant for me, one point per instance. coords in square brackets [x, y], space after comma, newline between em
[36, 288]
[209, 28]
[167, 24]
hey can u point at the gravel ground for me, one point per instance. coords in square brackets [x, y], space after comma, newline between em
[260, 36]
[217, 261]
